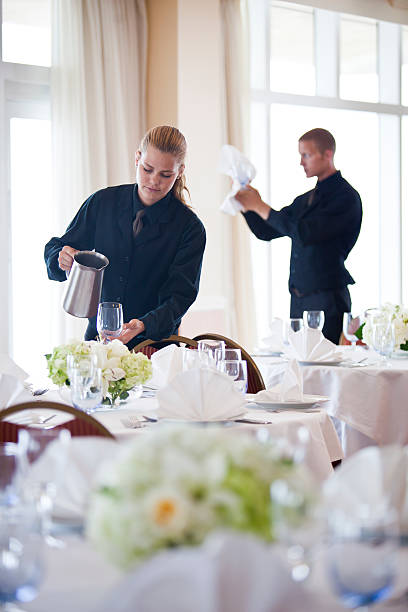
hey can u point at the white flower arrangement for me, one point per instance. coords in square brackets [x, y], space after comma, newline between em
[121, 369]
[389, 312]
[173, 485]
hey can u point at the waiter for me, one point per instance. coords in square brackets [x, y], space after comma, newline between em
[324, 225]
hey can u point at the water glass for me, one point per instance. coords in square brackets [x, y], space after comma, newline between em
[229, 354]
[383, 340]
[210, 347]
[84, 363]
[86, 389]
[314, 319]
[237, 370]
[11, 473]
[350, 326]
[291, 326]
[362, 557]
[21, 555]
[109, 322]
[193, 359]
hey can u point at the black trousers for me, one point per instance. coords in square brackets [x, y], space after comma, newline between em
[334, 302]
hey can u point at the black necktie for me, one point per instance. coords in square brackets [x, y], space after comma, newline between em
[138, 222]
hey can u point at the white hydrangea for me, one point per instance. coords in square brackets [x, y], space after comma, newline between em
[388, 312]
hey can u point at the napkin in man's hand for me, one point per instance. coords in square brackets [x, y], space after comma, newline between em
[289, 390]
[12, 391]
[166, 363]
[234, 164]
[274, 340]
[229, 572]
[372, 480]
[200, 395]
[310, 345]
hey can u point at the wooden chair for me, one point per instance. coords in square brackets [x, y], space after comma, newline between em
[255, 380]
[147, 347]
[82, 425]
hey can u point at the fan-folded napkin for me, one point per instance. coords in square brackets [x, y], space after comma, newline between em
[200, 395]
[7, 366]
[310, 345]
[12, 391]
[274, 341]
[229, 573]
[290, 389]
[234, 164]
[166, 363]
[371, 480]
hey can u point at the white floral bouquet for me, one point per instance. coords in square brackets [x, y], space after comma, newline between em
[173, 485]
[388, 312]
[121, 369]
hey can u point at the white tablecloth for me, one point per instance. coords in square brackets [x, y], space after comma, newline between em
[369, 401]
[324, 446]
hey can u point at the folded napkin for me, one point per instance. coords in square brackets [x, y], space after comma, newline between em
[200, 395]
[289, 390]
[274, 340]
[371, 480]
[230, 572]
[166, 363]
[310, 345]
[12, 391]
[7, 366]
[234, 164]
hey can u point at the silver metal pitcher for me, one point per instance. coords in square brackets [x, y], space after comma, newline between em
[83, 292]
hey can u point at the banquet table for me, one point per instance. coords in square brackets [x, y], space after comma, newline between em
[321, 451]
[368, 400]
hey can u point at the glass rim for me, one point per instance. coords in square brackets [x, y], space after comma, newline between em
[110, 305]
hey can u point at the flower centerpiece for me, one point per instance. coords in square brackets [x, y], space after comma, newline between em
[121, 369]
[175, 484]
[388, 312]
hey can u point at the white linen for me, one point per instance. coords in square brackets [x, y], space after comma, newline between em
[12, 391]
[274, 340]
[166, 363]
[200, 395]
[290, 389]
[310, 345]
[230, 572]
[372, 479]
[8, 366]
[234, 164]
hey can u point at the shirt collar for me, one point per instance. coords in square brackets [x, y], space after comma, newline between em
[328, 183]
[152, 212]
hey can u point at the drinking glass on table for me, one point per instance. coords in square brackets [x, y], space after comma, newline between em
[109, 321]
[314, 319]
[291, 325]
[228, 354]
[350, 326]
[209, 347]
[237, 370]
[86, 364]
[86, 389]
[361, 557]
[383, 340]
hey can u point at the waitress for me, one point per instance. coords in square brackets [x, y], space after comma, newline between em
[152, 238]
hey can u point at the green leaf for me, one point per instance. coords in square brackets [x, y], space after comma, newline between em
[48, 356]
[359, 332]
[106, 401]
[124, 395]
[404, 347]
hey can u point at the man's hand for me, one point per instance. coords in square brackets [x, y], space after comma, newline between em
[251, 200]
[130, 330]
[66, 257]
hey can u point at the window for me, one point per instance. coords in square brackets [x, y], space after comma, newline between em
[347, 74]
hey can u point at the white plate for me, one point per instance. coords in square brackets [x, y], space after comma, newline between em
[332, 363]
[308, 402]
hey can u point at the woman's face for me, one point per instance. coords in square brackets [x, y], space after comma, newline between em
[156, 173]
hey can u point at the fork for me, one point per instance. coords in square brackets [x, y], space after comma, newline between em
[133, 422]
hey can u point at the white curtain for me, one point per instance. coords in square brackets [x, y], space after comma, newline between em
[98, 106]
[236, 77]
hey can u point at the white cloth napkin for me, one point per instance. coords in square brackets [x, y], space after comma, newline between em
[7, 366]
[234, 164]
[371, 479]
[230, 572]
[274, 340]
[200, 395]
[12, 391]
[310, 345]
[166, 363]
[289, 390]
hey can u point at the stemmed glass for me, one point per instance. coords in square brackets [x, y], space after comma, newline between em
[109, 321]
[314, 319]
[291, 325]
[383, 340]
[350, 326]
[362, 557]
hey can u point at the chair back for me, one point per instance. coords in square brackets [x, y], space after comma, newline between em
[148, 347]
[82, 425]
[255, 380]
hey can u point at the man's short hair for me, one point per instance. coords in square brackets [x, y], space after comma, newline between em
[323, 139]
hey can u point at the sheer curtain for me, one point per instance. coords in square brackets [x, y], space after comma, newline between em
[236, 77]
[98, 107]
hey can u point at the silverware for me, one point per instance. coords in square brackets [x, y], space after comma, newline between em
[253, 421]
[39, 392]
[133, 422]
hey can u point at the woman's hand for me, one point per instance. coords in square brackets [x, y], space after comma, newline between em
[251, 200]
[130, 330]
[66, 257]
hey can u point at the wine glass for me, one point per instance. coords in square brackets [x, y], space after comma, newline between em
[362, 557]
[314, 319]
[350, 326]
[383, 340]
[109, 321]
[10, 473]
[86, 389]
[291, 325]
[21, 555]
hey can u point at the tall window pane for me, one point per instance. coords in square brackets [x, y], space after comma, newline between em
[292, 67]
[26, 32]
[358, 59]
[404, 66]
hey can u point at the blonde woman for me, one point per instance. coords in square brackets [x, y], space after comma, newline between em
[153, 240]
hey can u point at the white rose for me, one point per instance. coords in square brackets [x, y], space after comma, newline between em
[111, 374]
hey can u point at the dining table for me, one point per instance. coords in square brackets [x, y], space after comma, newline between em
[368, 396]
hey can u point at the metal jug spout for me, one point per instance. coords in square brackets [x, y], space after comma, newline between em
[84, 287]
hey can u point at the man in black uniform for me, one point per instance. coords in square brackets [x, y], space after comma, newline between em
[323, 224]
